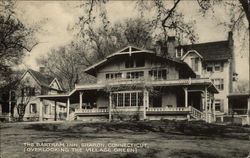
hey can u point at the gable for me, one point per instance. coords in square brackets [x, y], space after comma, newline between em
[219, 50]
[55, 84]
[29, 80]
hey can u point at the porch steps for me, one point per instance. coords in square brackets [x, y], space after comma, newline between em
[198, 115]
[72, 116]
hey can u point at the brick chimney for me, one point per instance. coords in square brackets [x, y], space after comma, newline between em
[42, 70]
[171, 44]
[159, 48]
[233, 74]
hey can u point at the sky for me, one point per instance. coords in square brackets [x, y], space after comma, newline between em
[56, 17]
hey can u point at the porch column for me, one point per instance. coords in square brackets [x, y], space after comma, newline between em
[210, 102]
[145, 103]
[80, 102]
[110, 106]
[248, 111]
[55, 118]
[9, 105]
[68, 104]
[186, 96]
[205, 103]
[214, 109]
[41, 110]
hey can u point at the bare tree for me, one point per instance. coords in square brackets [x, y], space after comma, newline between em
[94, 44]
[24, 93]
[15, 40]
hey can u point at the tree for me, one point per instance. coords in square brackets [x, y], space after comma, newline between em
[66, 63]
[24, 92]
[15, 40]
[242, 86]
[92, 45]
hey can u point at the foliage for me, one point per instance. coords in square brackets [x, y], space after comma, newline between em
[25, 91]
[241, 86]
[16, 39]
[92, 45]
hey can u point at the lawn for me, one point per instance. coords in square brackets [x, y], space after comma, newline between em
[163, 139]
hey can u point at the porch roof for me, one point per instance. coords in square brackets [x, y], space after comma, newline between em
[239, 95]
[167, 83]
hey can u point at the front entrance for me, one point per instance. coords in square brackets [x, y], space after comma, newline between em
[194, 100]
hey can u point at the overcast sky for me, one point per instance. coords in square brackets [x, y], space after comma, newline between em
[57, 16]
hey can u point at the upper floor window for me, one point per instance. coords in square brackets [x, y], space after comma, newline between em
[214, 67]
[219, 83]
[113, 75]
[195, 62]
[28, 91]
[136, 74]
[158, 74]
[218, 67]
[33, 108]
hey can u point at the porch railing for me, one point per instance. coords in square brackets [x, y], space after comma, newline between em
[91, 110]
[168, 109]
[196, 113]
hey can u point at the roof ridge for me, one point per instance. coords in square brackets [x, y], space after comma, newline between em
[213, 42]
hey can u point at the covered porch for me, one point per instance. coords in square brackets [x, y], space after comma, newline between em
[239, 107]
[179, 99]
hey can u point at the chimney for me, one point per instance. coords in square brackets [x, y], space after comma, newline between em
[171, 44]
[230, 38]
[42, 70]
[233, 74]
[159, 48]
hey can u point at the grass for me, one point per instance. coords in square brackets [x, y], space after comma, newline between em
[164, 139]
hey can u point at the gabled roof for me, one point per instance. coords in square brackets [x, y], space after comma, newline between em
[191, 51]
[219, 50]
[57, 82]
[42, 79]
[128, 50]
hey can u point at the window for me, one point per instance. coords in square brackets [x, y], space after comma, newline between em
[33, 108]
[218, 66]
[195, 63]
[219, 83]
[179, 52]
[158, 74]
[113, 76]
[133, 99]
[126, 99]
[28, 91]
[217, 104]
[209, 68]
[120, 100]
[137, 74]
[46, 109]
